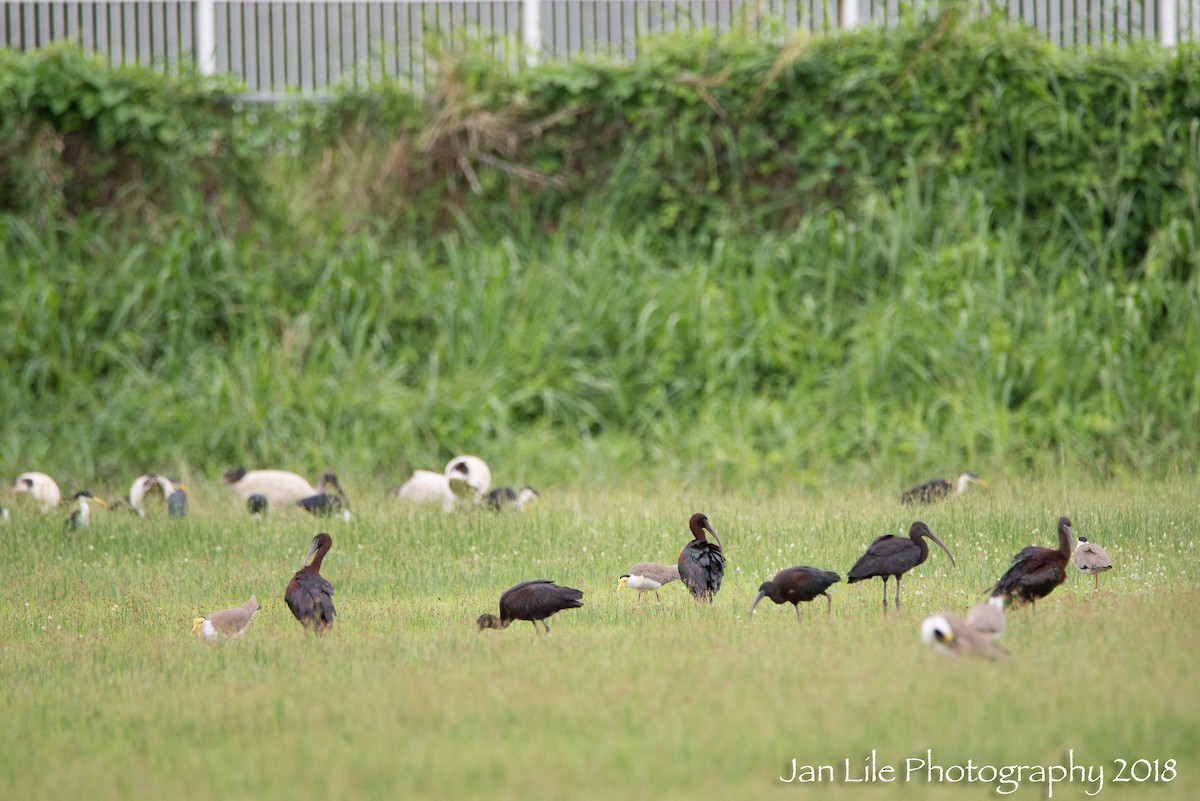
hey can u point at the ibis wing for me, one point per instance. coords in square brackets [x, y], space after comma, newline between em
[702, 566]
[886, 556]
[535, 600]
[310, 597]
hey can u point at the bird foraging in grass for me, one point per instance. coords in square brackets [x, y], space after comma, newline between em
[648, 577]
[532, 601]
[308, 594]
[279, 487]
[792, 585]
[228, 624]
[953, 637]
[41, 488]
[941, 488]
[82, 517]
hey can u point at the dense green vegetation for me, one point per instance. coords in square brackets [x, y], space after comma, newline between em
[879, 254]
[104, 694]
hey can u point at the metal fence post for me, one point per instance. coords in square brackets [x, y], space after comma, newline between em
[206, 37]
[849, 14]
[531, 30]
[1168, 24]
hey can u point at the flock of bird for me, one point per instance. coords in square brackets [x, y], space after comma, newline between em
[1034, 573]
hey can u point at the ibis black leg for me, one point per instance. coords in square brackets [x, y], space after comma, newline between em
[547, 625]
[885, 578]
[797, 612]
[897, 593]
[828, 603]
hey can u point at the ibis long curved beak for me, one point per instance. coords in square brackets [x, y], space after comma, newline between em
[755, 604]
[313, 550]
[933, 537]
[709, 529]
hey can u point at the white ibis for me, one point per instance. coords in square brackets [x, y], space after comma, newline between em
[41, 488]
[792, 585]
[890, 555]
[1091, 558]
[648, 577]
[1035, 572]
[532, 601]
[279, 487]
[466, 477]
[988, 617]
[940, 488]
[501, 497]
[228, 624]
[953, 637]
[308, 594]
[702, 563]
[82, 517]
[143, 485]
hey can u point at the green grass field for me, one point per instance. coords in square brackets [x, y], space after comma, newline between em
[106, 696]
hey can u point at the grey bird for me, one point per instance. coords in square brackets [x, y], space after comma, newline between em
[648, 577]
[1091, 558]
[952, 636]
[228, 624]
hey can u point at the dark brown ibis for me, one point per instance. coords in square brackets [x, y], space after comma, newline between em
[1035, 572]
[940, 488]
[890, 555]
[701, 563]
[1091, 558]
[795, 584]
[308, 594]
[532, 601]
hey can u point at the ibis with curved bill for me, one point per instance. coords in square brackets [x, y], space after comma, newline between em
[890, 555]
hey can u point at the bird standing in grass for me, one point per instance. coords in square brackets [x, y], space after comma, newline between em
[890, 555]
[1091, 558]
[1035, 572]
[228, 624]
[82, 517]
[792, 585]
[952, 636]
[41, 488]
[941, 488]
[279, 487]
[648, 577]
[532, 601]
[308, 594]
[702, 563]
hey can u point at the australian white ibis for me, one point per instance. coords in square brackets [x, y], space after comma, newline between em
[142, 486]
[1035, 572]
[228, 624]
[792, 585]
[466, 477]
[502, 497]
[82, 517]
[941, 488]
[279, 487]
[532, 601]
[702, 563]
[890, 555]
[308, 594]
[952, 636]
[648, 577]
[41, 488]
[1091, 558]
[469, 477]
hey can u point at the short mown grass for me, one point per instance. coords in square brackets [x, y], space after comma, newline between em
[106, 696]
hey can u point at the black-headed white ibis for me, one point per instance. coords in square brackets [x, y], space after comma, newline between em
[988, 617]
[1035, 572]
[466, 477]
[41, 488]
[308, 594]
[82, 516]
[702, 563]
[940, 488]
[890, 555]
[532, 601]
[648, 577]
[174, 493]
[469, 477]
[279, 487]
[502, 497]
[792, 585]
[1091, 558]
[228, 624]
[953, 637]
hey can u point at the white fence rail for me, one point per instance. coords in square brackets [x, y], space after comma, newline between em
[308, 45]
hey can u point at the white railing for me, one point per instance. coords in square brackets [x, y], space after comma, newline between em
[280, 45]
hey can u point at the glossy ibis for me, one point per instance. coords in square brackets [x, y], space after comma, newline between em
[648, 577]
[795, 584]
[702, 563]
[532, 601]
[952, 636]
[41, 488]
[82, 517]
[988, 617]
[940, 488]
[308, 594]
[279, 487]
[1035, 572]
[228, 624]
[257, 505]
[501, 497]
[1091, 558]
[890, 555]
